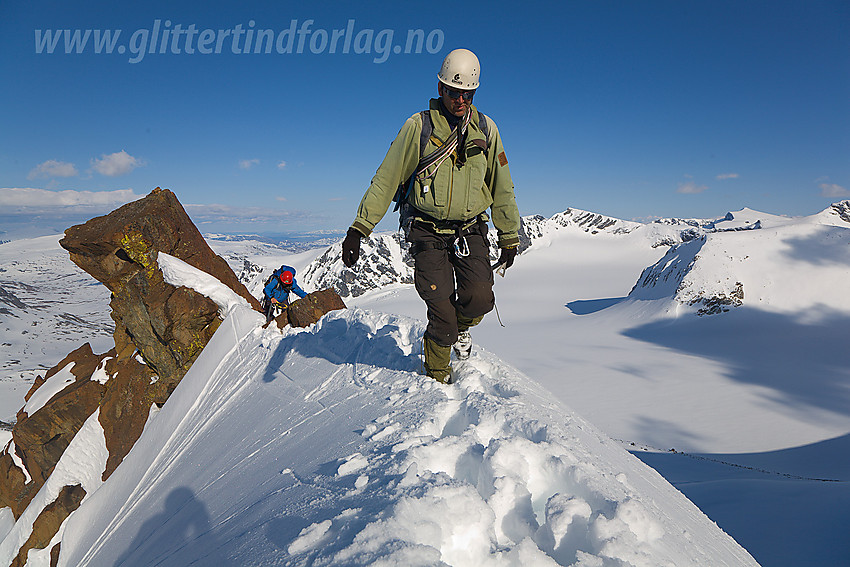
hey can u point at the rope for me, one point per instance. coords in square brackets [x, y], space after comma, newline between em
[443, 152]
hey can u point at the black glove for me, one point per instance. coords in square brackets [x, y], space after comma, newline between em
[351, 247]
[507, 257]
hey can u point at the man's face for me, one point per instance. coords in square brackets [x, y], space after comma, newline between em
[455, 100]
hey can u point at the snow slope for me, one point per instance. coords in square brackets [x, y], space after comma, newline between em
[326, 447]
[755, 399]
[794, 268]
[48, 307]
[82, 463]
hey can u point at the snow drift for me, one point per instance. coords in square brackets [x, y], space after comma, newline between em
[325, 446]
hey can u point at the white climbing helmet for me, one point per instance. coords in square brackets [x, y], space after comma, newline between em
[460, 70]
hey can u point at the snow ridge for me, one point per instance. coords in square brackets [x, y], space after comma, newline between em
[354, 458]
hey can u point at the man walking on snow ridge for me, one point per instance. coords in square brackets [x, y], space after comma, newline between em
[445, 169]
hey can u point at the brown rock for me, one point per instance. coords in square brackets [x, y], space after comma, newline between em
[54, 554]
[14, 491]
[165, 326]
[114, 247]
[49, 520]
[310, 309]
[125, 408]
[169, 326]
[41, 438]
[85, 363]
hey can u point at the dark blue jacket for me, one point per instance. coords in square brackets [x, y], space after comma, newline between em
[275, 289]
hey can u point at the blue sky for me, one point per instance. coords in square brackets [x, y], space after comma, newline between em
[631, 109]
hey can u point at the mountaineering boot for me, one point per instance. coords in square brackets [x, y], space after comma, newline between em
[438, 361]
[463, 346]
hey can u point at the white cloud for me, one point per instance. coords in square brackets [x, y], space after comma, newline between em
[690, 188]
[53, 168]
[281, 165]
[833, 190]
[248, 163]
[42, 198]
[646, 219]
[281, 199]
[227, 213]
[113, 165]
[723, 176]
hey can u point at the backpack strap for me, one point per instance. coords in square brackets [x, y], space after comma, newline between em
[424, 136]
[484, 127]
[425, 161]
[435, 158]
[427, 130]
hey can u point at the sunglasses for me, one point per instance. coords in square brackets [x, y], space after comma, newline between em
[453, 94]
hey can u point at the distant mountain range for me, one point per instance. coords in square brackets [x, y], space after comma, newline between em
[384, 259]
[47, 303]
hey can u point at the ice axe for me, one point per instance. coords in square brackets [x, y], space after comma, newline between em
[505, 261]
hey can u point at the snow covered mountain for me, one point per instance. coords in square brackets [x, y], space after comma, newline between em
[756, 260]
[384, 259]
[497, 470]
[48, 306]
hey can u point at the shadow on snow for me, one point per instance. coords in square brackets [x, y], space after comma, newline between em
[589, 306]
[804, 363]
[344, 341]
[776, 489]
[181, 533]
[828, 245]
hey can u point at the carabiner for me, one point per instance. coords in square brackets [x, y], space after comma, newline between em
[461, 247]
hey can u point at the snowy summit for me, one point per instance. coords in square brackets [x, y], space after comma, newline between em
[327, 446]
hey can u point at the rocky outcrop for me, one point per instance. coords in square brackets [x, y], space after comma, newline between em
[719, 302]
[49, 520]
[40, 439]
[168, 326]
[115, 247]
[125, 407]
[308, 310]
[160, 330]
[14, 492]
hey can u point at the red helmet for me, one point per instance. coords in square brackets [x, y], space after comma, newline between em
[286, 278]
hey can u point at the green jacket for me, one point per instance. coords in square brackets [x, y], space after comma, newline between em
[454, 193]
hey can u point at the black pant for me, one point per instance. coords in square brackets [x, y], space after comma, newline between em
[455, 288]
[269, 307]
